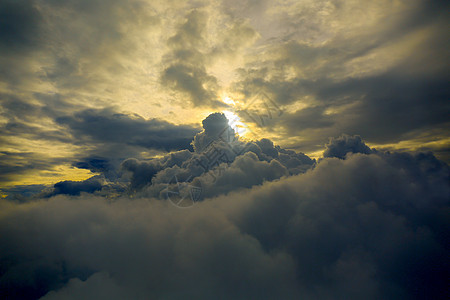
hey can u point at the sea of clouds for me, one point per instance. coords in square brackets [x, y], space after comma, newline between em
[236, 219]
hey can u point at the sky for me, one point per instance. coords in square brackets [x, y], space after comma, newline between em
[224, 149]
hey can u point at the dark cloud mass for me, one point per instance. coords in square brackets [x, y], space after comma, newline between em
[107, 126]
[19, 25]
[245, 149]
[271, 224]
[339, 147]
[75, 188]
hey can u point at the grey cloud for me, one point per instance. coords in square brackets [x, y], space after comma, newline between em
[75, 187]
[25, 115]
[339, 202]
[191, 80]
[267, 148]
[220, 163]
[107, 126]
[409, 104]
[95, 164]
[296, 162]
[20, 35]
[99, 134]
[245, 171]
[20, 22]
[99, 35]
[215, 127]
[186, 63]
[385, 106]
[339, 147]
[98, 185]
[238, 36]
[142, 172]
[191, 32]
[186, 71]
[158, 276]
[37, 33]
[308, 118]
[23, 193]
[368, 227]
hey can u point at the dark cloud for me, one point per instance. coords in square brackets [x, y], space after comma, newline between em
[339, 147]
[98, 185]
[335, 81]
[108, 167]
[340, 203]
[19, 26]
[107, 126]
[244, 172]
[142, 172]
[39, 45]
[215, 127]
[190, 80]
[103, 137]
[23, 193]
[221, 162]
[372, 226]
[95, 164]
[76, 187]
[395, 108]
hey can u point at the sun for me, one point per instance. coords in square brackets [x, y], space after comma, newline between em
[234, 121]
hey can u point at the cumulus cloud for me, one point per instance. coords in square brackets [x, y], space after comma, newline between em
[339, 147]
[368, 227]
[215, 127]
[221, 162]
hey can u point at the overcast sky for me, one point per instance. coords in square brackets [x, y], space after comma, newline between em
[328, 122]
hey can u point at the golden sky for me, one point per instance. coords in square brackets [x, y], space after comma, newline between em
[79, 77]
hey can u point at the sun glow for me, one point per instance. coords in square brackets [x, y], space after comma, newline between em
[228, 100]
[234, 121]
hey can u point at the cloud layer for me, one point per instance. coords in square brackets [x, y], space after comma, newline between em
[368, 227]
[270, 223]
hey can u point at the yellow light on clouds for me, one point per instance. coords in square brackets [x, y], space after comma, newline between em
[234, 121]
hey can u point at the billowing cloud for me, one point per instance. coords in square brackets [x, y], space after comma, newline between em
[368, 227]
[221, 162]
[344, 144]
